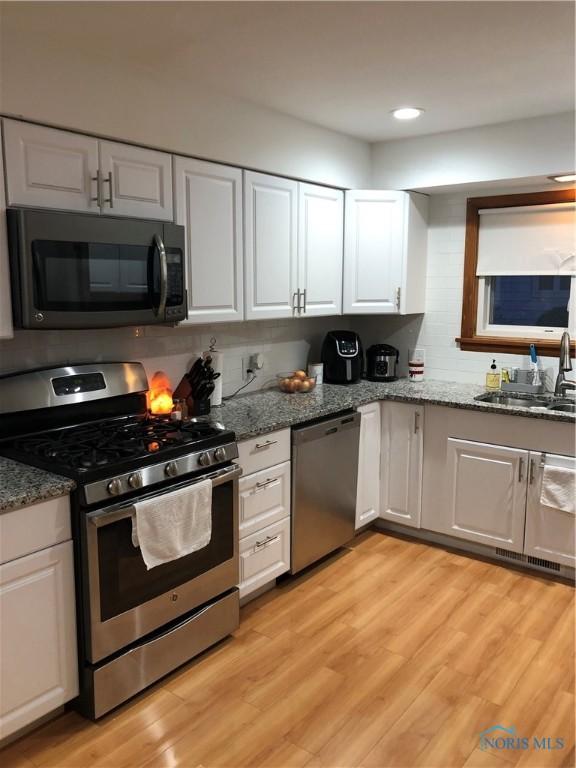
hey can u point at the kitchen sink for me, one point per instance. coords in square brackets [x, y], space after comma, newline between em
[549, 402]
[509, 398]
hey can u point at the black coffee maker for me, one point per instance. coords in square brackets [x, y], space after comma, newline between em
[343, 357]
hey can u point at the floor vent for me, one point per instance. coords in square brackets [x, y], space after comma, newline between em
[538, 561]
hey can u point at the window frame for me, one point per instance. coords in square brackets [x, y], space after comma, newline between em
[478, 336]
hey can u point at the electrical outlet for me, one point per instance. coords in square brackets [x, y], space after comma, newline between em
[256, 361]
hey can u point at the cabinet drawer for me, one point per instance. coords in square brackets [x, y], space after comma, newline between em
[32, 528]
[264, 556]
[264, 498]
[264, 451]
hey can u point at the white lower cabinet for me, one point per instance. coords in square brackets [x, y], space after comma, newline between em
[265, 495]
[550, 531]
[264, 556]
[368, 490]
[487, 493]
[401, 463]
[264, 498]
[39, 669]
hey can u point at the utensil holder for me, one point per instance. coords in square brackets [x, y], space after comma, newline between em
[523, 382]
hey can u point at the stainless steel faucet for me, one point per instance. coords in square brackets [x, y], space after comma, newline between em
[564, 364]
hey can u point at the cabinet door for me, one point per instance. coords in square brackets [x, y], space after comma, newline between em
[39, 672]
[373, 251]
[270, 226]
[6, 329]
[320, 249]
[487, 493]
[46, 168]
[208, 199]
[135, 181]
[264, 556]
[550, 532]
[368, 491]
[401, 463]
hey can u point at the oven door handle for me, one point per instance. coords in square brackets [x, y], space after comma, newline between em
[108, 516]
[160, 310]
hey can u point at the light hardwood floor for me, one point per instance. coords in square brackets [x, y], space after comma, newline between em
[392, 653]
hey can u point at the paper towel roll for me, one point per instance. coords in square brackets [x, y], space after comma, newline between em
[218, 365]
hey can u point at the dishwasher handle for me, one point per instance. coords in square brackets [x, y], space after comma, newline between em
[326, 427]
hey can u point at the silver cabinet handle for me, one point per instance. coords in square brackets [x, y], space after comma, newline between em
[98, 199]
[416, 422]
[296, 301]
[520, 470]
[267, 540]
[304, 297]
[531, 471]
[109, 200]
[398, 291]
[266, 483]
[161, 309]
[267, 444]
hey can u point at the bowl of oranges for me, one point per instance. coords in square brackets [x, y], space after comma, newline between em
[297, 381]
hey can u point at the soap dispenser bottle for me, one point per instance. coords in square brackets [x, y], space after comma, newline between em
[493, 377]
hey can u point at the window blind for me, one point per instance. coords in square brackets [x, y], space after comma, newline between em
[531, 240]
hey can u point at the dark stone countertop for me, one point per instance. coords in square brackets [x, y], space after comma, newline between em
[21, 485]
[261, 412]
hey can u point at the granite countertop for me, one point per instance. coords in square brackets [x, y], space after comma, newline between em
[260, 412]
[21, 485]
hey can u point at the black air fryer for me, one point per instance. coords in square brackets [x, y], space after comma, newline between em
[342, 356]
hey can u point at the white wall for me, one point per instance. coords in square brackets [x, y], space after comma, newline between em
[521, 149]
[437, 329]
[49, 76]
[286, 345]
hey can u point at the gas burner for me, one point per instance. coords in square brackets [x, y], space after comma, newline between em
[108, 443]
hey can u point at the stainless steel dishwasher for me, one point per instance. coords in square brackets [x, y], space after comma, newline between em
[324, 479]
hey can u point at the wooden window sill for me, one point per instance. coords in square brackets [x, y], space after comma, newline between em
[546, 348]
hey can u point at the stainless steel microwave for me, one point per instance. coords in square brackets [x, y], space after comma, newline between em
[70, 270]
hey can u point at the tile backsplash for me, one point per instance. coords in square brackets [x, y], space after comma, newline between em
[285, 344]
[436, 330]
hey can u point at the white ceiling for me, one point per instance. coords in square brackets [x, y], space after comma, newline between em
[345, 65]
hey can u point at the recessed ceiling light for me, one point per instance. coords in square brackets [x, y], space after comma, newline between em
[407, 113]
[564, 177]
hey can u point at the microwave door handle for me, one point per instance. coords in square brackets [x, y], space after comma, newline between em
[160, 311]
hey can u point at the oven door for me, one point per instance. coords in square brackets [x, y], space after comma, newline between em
[123, 601]
[82, 271]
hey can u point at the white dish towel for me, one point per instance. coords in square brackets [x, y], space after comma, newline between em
[173, 525]
[559, 489]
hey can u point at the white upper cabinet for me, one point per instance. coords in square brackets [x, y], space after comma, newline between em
[320, 249]
[384, 252]
[486, 493]
[135, 181]
[47, 168]
[208, 200]
[368, 489]
[550, 531]
[270, 229]
[401, 463]
[6, 329]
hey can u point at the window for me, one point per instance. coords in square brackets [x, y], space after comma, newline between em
[520, 272]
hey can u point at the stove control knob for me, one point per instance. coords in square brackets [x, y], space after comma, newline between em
[220, 454]
[204, 460]
[135, 480]
[114, 487]
[171, 469]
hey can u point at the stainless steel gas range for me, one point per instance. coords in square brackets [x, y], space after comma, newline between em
[90, 423]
